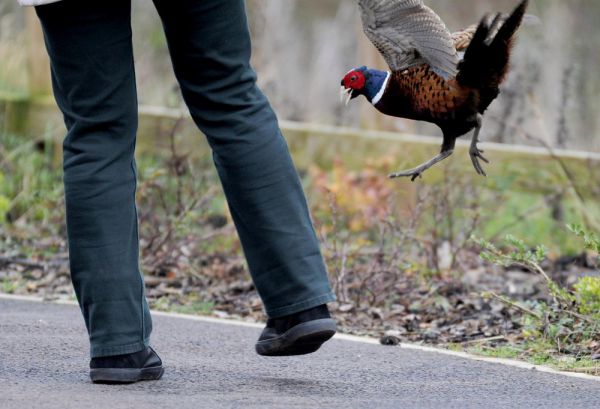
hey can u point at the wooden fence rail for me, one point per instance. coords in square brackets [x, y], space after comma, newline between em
[531, 168]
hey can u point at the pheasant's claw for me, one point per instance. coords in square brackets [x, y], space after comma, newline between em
[479, 154]
[476, 154]
[413, 174]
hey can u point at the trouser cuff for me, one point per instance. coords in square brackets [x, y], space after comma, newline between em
[300, 306]
[99, 351]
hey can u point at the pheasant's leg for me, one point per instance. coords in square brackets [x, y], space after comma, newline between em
[418, 171]
[475, 152]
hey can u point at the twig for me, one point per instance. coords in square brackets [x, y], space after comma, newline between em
[342, 274]
[536, 269]
[173, 224]
[581, 317]
[518, 220]
[485, 340]
[44, 265]
[591, 371]
[514, 304]
[22, 262]
[175, 164]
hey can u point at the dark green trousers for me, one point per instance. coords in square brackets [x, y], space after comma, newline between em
[89, 43]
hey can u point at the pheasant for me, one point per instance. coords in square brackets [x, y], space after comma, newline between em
[446, 79]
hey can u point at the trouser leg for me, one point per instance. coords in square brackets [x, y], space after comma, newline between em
[89, 43]
[210, 49]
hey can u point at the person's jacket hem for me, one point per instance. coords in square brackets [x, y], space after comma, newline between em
[35, 2]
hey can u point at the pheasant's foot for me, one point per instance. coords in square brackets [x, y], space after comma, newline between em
[414, 173]
[477, 154]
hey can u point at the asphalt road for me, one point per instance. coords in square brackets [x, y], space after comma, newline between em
[43, 364]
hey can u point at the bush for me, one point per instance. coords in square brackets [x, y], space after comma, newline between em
[570, 321]
[587, 291]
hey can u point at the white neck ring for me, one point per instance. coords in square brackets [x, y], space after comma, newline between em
[379, 95]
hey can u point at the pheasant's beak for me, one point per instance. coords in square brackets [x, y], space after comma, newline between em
[345, 95]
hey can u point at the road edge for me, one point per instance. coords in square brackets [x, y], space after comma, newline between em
[342, 337]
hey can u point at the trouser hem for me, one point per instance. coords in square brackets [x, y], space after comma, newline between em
[300, 306]
[96, 352]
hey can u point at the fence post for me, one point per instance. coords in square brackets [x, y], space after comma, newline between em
[38, 66]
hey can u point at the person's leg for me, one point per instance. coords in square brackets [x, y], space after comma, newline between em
[209, 43]
[89, 43]
[210, 48]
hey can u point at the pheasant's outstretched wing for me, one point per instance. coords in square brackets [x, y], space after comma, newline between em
[408, 33]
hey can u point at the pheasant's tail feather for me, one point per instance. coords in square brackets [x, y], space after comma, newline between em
[506, 34]
[463, 38]
[487, 58]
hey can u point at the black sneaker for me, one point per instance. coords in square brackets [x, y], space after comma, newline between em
[296, 334]
[144, 365]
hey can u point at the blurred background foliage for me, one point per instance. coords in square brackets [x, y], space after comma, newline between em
[302, 48]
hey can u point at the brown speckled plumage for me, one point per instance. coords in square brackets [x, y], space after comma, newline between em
[420, 94]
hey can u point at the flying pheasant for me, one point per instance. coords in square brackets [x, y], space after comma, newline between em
[439, 77]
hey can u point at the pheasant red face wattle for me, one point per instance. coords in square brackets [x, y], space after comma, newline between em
[353, 81]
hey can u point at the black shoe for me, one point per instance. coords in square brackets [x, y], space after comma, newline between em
[144, 365]
[296, 334]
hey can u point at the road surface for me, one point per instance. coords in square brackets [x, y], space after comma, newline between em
[43, 364]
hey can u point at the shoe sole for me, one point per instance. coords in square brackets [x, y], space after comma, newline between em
[126, 375]
[302, 339]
